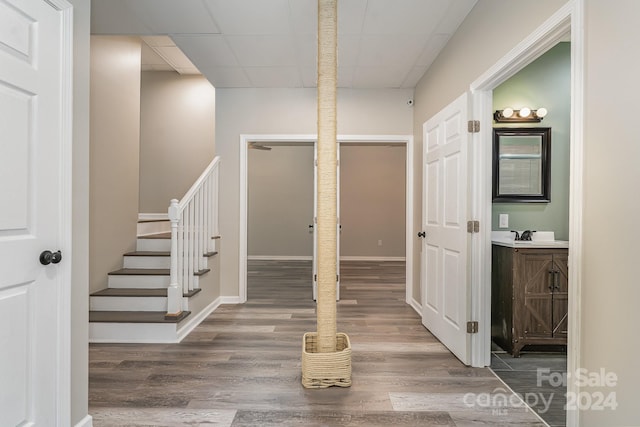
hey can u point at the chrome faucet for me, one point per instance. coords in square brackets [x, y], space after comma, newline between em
[526, 235]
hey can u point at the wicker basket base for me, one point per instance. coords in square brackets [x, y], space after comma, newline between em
[322, 370]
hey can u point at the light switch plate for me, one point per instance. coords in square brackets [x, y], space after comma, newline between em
[504, 221]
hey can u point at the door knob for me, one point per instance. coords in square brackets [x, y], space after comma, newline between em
[48, 257]
[422, 234]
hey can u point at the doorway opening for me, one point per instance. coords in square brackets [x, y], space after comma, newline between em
[247, 141]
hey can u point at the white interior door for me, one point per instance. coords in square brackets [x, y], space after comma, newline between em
[34, 341]
[445, 307]
[314, 279]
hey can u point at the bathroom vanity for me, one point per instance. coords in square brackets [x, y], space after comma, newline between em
[529, 291]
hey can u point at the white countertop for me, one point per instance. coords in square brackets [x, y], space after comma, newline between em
[540, 239]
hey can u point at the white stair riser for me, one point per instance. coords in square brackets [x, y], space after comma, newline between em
[147, 261]
[146, 281]
[153, 245]
[153, 227]
[133, 332]
[104, 303]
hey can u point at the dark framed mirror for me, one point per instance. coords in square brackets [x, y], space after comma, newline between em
[522, 165]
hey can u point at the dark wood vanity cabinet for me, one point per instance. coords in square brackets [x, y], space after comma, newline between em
[529, 297]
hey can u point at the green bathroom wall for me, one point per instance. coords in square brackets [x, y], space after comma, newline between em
[546, 82]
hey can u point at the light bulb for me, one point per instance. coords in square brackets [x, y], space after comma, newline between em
[524, 112]
[541, 112]
[507, 112]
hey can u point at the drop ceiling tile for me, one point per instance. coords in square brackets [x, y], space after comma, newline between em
[274, 76]
[150, 57]
[378, 77]
[174, 56]
[348, 50]
[263, 51]
[351, 16]
[155, 41]
[414, 77]
[251, 16]
[417, 17]
[434, 45]
[226, 77]
[207, 51]
[304, 16]
[390, 50]
[306, 50]
[174, 17]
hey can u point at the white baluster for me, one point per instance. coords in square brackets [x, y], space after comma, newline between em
[174, 295]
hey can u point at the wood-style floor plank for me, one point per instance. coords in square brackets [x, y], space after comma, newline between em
[242, 365]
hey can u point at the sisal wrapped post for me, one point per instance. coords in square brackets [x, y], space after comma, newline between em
[327, 206]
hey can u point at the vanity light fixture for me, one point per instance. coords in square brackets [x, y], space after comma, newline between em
[523, 115]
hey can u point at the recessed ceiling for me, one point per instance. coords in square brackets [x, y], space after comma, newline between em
[272, 43]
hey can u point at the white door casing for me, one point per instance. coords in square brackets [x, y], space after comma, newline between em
[445, 305]
[35, 187]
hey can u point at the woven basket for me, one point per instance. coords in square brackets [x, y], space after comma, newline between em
[322, 370]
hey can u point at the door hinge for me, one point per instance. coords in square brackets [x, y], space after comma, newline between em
[315, 277]
[473, 226]
[472, 327]
[337, 277]
[473, 126]
[315, 163]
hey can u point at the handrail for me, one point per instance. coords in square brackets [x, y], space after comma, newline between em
[194, 223]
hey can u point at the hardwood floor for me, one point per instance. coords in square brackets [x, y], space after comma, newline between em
[241, 366]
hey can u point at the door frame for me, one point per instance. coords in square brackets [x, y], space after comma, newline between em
[569, 18]
[245, 139]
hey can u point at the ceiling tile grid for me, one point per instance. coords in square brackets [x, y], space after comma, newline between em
[273, 43]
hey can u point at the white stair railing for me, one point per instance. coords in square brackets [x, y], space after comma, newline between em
[194, 222]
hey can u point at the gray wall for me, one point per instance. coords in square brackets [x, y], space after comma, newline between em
[80, 224]
[477, 45]
[610, 292]
[177, 134]
[546, 82]
[114, 162]
[289, 111]
[280, 201]
[372, 200]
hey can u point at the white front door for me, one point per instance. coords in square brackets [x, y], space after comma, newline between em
[445, 306]
[314, 279]
[35, 192]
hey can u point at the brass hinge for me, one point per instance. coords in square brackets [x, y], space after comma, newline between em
[473, 226]
[472, 327]
[473, 126]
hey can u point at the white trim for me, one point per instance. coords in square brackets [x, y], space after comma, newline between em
[85, 422]
[569, 17]
[63, 375]
[231, 300]
[416, 306]
[245, 139]
[279, 258]
[153, 217]
[373, 258]
[189, 326]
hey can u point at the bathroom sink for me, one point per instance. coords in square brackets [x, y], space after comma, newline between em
[540, 239]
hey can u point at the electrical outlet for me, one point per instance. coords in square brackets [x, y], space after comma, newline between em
[504, 221]
[379, 242]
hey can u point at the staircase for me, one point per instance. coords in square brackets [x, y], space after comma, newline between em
[148, 299]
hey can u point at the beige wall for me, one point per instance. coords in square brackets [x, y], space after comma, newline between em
[372, 200]
[288, 111]
[610, 291]
[477, 45]
[280, 201]
[80, 224]
[114, 164]
[177, 131]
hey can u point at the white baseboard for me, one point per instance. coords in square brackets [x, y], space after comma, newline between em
[416, 306]
[197, 319]
[85, 422]
[230, 300]
[279, 258]
[372, 258]
[153, 216]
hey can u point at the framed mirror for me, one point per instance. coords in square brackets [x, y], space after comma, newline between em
[522, 165]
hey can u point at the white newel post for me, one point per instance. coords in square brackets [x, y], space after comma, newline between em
[174, 292]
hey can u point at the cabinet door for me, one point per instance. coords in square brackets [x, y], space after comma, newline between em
[560, 295]
[534, 281]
